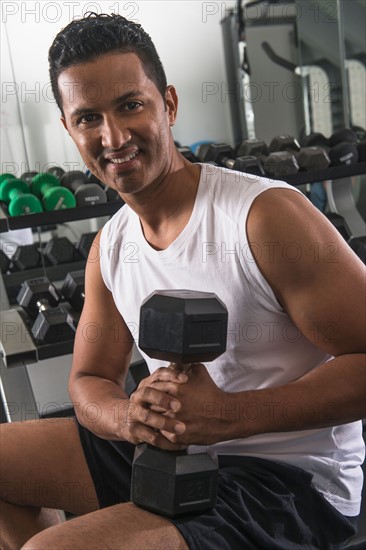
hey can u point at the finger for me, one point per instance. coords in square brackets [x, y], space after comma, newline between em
[151, 396]
[170, 388]
[155, 438]
[170, 374]
[155, 420]
[172, 437]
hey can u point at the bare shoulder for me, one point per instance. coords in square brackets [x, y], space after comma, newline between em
[313, 272]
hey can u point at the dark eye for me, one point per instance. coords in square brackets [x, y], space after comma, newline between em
[131, 105]
[85, 119]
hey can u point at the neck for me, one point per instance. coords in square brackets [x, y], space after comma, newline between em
[165, 209]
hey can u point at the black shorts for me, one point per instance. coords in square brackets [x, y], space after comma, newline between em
[261, 504]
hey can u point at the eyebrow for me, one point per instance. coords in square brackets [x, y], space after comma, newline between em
[116, 101]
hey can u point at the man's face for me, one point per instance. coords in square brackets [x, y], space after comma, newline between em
[118, 120]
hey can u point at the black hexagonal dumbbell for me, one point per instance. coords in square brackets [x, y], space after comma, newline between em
[184, 327]
[4, 262]
[61, 250]
[342, 148]
[86, 193]
[278, 160]
[223, 155]
[73, 289]
[25, 257]
[40, 299]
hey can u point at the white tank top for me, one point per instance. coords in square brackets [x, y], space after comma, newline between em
[264, 348]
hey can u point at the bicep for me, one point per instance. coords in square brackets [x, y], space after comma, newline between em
[316, 277]
[103, 342]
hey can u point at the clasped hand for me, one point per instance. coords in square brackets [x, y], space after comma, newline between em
[168, 409]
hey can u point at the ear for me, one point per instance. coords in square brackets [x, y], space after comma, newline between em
[63, 120]
[171, 100]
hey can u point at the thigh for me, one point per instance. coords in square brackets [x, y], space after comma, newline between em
[119, 527]
[43, 465]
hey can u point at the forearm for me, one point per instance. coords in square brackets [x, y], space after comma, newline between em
[332, 394]
[101, 405]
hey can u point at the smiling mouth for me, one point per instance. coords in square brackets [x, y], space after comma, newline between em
[126, 158]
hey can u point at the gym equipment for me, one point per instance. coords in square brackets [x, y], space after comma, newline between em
[56, 171]
[26, 257]
[253, 147]
[358, 245]
[340, 224]
[6, 176]
[61, 251]
[184, 327]
[315, 139]
[40, 299]
[277, 164]
[341, 147]
[280, 164]
[54, 197]
[284, 143]
[28, 176]
[85, 243]
[4, 262]
[86, 193]
[73, 289]
[313, 158]
[15, 192]
[112, 194]
[222, 154]
[343, 154]
[188, 153]
[345, 135]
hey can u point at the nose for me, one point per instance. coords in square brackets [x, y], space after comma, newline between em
[114, 133]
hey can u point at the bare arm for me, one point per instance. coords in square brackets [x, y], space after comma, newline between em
[102, 353]
[323, 292]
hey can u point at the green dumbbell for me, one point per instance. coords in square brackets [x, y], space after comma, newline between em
[15, 193]
[4, 177]
[54, 197]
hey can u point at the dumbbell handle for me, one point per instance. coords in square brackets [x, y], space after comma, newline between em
[14, 193]
[182, 367]
[43, 305]
[229, 163]
[45, 187]
[74, 185]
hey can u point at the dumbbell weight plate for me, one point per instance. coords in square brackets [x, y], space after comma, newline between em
[284, 143]
[61, 251]
[28, 176]
[53, 325]
[281, 164]
[26, 257]
[343, 154]
[56, 171]
[54, 197]
[313, 158]
[4, 262]
[6, 176]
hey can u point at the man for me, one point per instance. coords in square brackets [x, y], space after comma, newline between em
[281, 407]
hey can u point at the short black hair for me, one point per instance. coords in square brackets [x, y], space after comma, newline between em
[95, 34]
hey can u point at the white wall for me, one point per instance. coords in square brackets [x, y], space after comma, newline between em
[187, 35]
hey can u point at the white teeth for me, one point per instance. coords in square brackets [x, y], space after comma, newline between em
[124, 159]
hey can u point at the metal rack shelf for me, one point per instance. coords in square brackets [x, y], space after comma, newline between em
[8, 223]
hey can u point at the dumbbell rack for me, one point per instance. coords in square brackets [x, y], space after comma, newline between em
[17, 348]
[8, 223]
